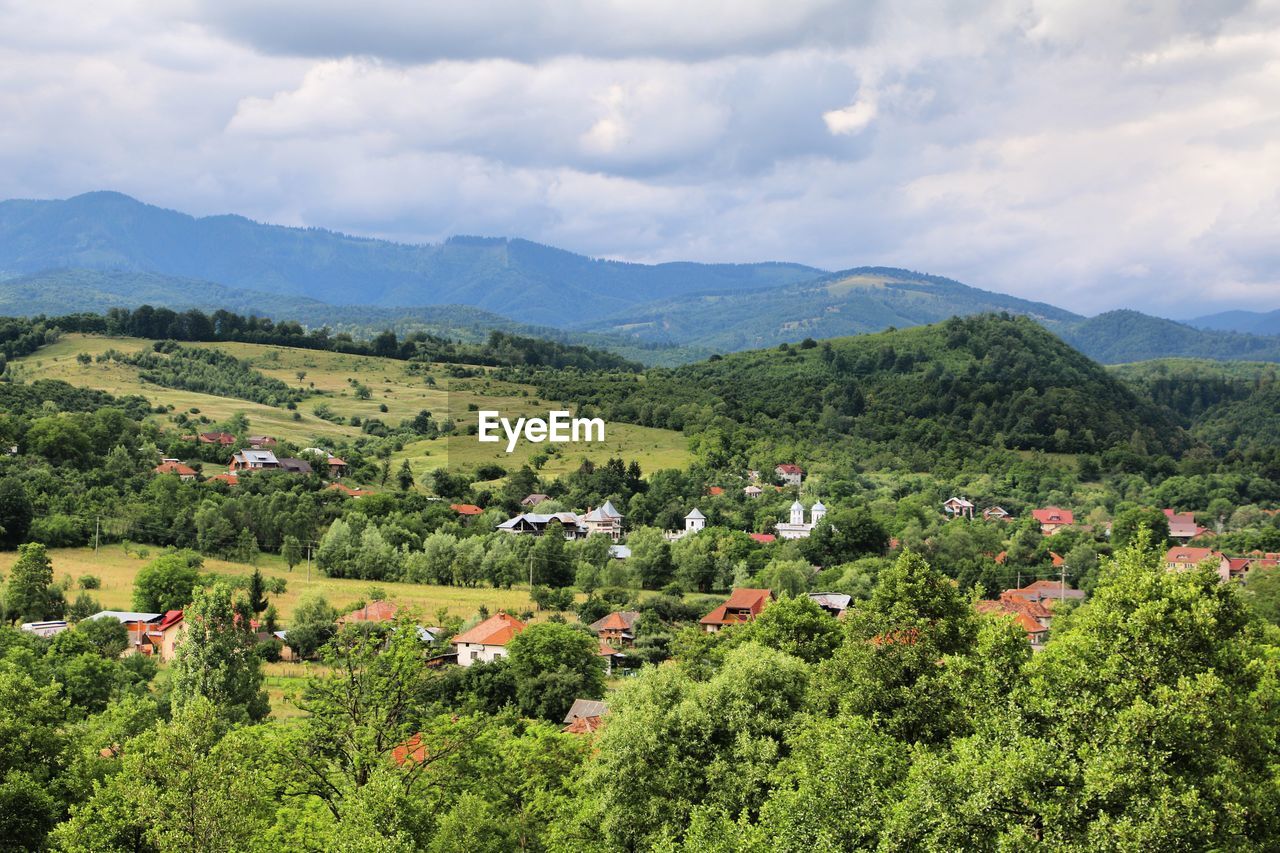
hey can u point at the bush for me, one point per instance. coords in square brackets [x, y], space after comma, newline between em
[90, 582]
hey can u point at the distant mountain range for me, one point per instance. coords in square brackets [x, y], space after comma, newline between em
[1253, 322]
[105, 249]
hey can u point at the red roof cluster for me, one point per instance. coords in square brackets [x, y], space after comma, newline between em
[764, 538]
[376, 611]
[175, 468]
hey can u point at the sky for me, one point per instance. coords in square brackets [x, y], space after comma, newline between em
[1094, 155]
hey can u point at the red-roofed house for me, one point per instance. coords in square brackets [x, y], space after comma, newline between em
[1044, 590]
[374, 611]
[466, 509]
[743, 605]
[487, 641]
[715, 491]
[1183, 526]
[1182, 559]
[1030, 615]
[164, 635]
[1052, 519]
[223, 439]
[764, 538]
[618, 628]
[790, 474]
[230, 479]
[172, 466]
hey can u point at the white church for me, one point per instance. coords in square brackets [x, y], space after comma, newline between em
[796, 528]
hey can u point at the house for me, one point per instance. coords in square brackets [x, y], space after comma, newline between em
[791, 475]
[487, 641]
[163, 636]
[172, 466]
[295, 466]
[1031, 615]
[604, 519]
[1182, 559]
[136, 623]
[374, 611]
[618, 628]
[958, 508]
[222, 439]
[753, 491]
[743, 605]
[466, 509]
[287, 653]
[763, 538]
[1045, 590]
[535, 524]
[260, 442]
[337, 467]
[835, 603]
[715, 491]
[1183, 526]
[585, 716]
[44, 629]
[1052, 519]
[253, 460]
[995, 513]
[796, 528]
[611, 657]
[348, 491]
[534, 499]
[229, 479]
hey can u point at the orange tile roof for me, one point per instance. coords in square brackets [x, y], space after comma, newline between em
[229, 479]
[1053, 515]
[175, 468]
[376, 611]
[764, 538]
[715, 490]
[745, 598]
[466, 509]
[497, 630]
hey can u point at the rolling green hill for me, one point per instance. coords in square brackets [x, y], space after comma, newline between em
[964, 383]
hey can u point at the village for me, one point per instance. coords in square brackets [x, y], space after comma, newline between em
[1031, 606]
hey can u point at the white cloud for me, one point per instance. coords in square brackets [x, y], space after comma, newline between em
[851, 119]
[1084, 152]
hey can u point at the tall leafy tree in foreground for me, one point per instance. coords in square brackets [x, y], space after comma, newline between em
[215, 657]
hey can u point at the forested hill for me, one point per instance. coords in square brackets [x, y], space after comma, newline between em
[1117, 337]
[989, 380]
[854, 301]
[517, 278]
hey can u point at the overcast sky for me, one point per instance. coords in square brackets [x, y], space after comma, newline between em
[1090, 153]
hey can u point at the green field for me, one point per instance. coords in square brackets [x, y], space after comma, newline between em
[328, 376]
[117, 569]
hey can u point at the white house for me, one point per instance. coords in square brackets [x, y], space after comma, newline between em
[604, 519]
[796, 528]
[789, 474]
[958, 507]
[487, 641]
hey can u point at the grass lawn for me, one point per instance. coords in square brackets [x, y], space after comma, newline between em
[116, 569]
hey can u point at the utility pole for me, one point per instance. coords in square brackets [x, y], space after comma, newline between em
[97, 526]
[1062, 584]
[308, 563]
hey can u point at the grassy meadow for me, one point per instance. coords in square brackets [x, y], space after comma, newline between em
[116, 569]
[329, 378]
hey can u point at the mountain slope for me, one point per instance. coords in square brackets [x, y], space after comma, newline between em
[540, 284]
[1123, 336]
[854, 301]
[965, 383]
[1252, 322]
